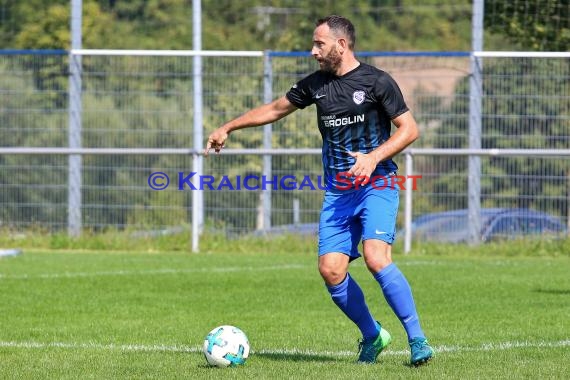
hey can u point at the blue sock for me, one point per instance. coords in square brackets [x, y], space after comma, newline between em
[349, 298]
[399, 296]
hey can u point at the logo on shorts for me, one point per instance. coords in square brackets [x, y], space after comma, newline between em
[358, 97]
[380, 232]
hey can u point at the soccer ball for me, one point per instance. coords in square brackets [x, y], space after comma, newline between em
[226, 346]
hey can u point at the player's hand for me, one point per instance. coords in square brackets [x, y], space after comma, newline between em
[362, 168]
[216, 141]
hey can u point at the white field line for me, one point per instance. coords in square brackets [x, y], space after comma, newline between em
[214, 270]
[150, 272]
[502, 346]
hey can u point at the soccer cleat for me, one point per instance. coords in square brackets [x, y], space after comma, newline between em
[421, 351]
[371, 348]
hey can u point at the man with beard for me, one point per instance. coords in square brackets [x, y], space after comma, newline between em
[356, 107]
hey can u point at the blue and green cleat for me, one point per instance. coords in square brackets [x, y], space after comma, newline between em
[421, 351]
[371, 348]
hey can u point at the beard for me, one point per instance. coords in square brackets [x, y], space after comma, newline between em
[331, 62]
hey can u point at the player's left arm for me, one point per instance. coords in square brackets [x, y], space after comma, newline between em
[406, 133]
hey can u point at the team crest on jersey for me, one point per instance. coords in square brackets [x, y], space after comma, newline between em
[358, 97]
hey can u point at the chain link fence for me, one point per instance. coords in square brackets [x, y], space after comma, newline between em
[146, 101]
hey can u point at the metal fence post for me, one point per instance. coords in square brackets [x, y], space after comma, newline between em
[267, 134]
[75, 109]
[475, 110]
[196, 206]
[408, 204]
[197, 163]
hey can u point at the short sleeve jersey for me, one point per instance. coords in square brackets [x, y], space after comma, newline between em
[354, 113]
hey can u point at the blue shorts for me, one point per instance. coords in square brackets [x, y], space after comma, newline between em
[348, 218]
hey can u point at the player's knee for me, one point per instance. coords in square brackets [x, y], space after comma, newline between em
[377, 257]
[376, 264]
[332, 275]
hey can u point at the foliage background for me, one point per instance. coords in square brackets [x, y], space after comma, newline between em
[284, 24]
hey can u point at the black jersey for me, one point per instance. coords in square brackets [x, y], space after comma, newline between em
[354, 114]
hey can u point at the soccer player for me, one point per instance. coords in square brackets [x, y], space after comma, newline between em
[356, 106]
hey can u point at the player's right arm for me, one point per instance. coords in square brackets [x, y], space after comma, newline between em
[261, 115]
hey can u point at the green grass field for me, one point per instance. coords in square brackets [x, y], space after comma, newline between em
[110, 314]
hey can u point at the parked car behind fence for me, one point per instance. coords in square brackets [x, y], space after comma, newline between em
[453, 226]
[496, 224]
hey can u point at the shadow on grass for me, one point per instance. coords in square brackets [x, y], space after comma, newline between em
[562, 292]
[296, 357]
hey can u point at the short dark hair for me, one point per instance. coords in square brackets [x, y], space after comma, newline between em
[341, 25]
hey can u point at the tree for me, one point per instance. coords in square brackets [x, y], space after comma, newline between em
[52, 31]
[542, 25]
[234, 25]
